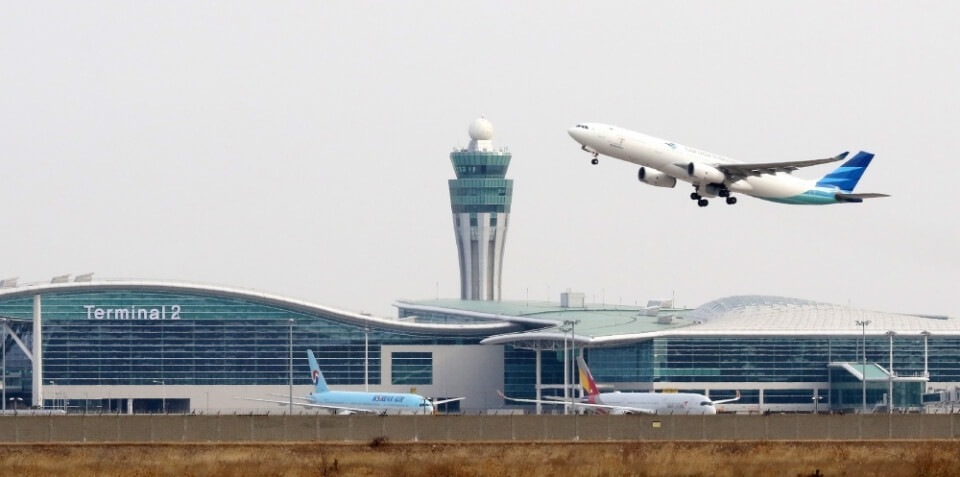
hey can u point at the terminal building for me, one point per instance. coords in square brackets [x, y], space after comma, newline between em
[138, 346]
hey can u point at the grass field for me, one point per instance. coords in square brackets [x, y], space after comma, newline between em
[380, 458]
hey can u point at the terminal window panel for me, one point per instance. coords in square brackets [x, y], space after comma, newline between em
[215, 341]
[519, 366]
[411, 368]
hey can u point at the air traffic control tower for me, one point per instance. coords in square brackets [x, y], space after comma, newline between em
[480, 198]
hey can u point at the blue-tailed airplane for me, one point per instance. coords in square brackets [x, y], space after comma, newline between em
[663, 163]
[350, 402]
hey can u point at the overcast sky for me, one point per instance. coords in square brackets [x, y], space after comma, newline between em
[302, 148]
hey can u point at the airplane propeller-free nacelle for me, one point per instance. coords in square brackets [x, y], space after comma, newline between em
[703, 173]
[656, 178]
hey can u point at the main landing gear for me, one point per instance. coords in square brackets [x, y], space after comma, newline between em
[702, 202]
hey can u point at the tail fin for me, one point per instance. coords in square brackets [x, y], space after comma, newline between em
[847, 175]
[319, 384]
[586, 380]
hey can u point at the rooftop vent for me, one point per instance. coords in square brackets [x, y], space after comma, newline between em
[9, 282]
[571, 300]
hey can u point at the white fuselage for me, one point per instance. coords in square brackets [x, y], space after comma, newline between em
[672, 159]
[384, 403]
[660, 403]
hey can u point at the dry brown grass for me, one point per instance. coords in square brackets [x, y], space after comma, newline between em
[734, 459]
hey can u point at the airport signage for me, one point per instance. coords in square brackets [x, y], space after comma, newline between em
[165, 312]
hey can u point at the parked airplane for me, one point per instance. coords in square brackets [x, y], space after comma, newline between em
[664, 162]
[350, 402]
[634, 402]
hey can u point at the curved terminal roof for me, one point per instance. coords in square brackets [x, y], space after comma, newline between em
[592, 322]
[751, 315]
[358, 319]
[773, 315]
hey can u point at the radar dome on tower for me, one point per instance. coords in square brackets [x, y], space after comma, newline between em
[481, 131]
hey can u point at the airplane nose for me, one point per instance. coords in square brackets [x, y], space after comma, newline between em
[576, 133]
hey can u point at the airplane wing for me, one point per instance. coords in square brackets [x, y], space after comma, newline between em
[315, 405]
[739, 171]
[444, 401]
[625, 409]
[728, 400]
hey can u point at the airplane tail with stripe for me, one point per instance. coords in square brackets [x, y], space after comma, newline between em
[847, 175]
[319, 384]
[586, 380]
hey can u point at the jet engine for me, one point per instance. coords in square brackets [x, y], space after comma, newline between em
[703, 173]
[656, 178]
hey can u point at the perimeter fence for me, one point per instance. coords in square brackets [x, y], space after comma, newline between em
[355, 428]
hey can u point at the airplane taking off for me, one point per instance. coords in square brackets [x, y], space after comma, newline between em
[634, 403]
[350, 402]
[664, 162]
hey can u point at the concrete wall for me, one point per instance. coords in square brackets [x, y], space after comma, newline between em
[237, 428]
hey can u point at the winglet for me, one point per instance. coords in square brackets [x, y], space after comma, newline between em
[319, 384]
[737, 398]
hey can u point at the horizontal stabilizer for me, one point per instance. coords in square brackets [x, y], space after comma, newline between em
[841, 197]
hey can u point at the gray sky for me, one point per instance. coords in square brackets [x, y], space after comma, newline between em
[301, 148]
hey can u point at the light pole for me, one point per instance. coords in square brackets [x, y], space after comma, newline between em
[891, 334]
[566, 374]
[863, 369]
[163, 394]
[3, 323]
[816, 401]
[52, 383]
[290, 371]
[366, 358]
[573, 345]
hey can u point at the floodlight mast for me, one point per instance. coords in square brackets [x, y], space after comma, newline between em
[863, 369]
[3, 323]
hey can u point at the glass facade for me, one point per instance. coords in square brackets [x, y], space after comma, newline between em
[480, 185]
[520, 371]
[697, 360]
[768, 359]
[136, 337]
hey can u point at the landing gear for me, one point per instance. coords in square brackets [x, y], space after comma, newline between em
[594, 161]
[703, 202]
[731, 200]
[724, 192]
[695, 196]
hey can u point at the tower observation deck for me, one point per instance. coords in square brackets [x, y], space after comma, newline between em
[480, 199]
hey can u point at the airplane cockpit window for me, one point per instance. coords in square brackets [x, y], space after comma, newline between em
[706, 403]
[582, 126]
